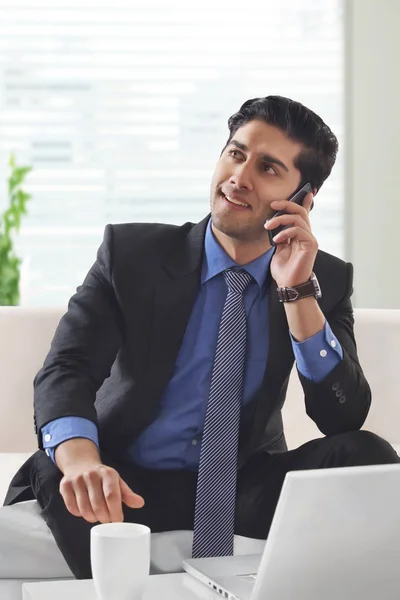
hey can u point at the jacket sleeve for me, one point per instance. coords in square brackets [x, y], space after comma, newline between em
[83, 349]
[341, 401]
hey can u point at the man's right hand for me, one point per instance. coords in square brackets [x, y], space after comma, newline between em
[90, 489]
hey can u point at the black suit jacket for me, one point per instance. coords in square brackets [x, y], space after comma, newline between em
[114, 350]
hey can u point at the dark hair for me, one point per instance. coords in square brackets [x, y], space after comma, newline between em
[300, 124]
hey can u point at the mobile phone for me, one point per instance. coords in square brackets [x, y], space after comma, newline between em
[298, 197]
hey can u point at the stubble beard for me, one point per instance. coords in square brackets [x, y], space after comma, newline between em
[240, 228]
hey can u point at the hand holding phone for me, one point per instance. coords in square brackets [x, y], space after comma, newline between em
[298, 198]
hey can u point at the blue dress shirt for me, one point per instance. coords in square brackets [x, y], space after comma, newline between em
[173, 439]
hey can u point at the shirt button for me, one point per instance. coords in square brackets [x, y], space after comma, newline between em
[323, 353]
[47, 452]
[333, 344]
[339, 393]
[342, 399]
[194, 442]
[47, 437]
[336, 386]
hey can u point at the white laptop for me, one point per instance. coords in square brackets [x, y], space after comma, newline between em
[335, 535]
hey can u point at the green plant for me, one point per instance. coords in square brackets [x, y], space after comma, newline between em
[10, 222]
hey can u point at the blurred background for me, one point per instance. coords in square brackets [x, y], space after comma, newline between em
[121, 109]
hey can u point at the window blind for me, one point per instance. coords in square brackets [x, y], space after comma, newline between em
[121, 108]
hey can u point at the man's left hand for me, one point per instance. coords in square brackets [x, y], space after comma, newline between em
[294, 257]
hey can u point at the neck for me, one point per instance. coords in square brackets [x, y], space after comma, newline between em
[240, 251]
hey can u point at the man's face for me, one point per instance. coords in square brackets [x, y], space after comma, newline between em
[255, 169]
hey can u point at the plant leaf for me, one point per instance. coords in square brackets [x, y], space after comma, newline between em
[10, 221]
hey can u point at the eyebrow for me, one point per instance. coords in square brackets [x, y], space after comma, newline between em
[266, 157]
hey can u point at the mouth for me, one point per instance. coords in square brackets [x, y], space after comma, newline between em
[234, 203]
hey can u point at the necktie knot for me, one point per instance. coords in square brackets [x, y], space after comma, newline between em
[237, 280]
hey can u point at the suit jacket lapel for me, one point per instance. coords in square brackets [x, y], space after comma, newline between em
[174, 295]
[279, 363]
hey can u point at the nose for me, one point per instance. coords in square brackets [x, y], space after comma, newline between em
[241, 177]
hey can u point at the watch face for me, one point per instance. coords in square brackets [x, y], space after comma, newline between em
[318, 293]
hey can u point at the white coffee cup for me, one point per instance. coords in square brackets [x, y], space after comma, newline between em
[120, 558]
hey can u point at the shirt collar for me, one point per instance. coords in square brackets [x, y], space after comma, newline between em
[217, 260]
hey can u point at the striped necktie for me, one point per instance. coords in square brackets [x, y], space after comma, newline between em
[214, 519]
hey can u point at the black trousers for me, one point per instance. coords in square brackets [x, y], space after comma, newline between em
[170, 495]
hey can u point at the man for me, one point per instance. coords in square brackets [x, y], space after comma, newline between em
[160, 400]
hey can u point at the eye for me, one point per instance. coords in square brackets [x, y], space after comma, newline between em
[266, 168]
[235, 153]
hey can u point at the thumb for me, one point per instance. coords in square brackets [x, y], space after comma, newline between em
[129, 497]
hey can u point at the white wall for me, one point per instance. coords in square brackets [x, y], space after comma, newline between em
[373, 150]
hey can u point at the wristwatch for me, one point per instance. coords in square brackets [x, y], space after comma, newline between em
[304, 290]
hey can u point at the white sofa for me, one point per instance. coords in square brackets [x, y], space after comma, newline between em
[25, 336]
[26, 333]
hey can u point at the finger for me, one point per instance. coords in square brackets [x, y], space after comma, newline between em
[97, 501]
[295, 220]
[112, 495]
[83, 502]
[295, 233]
[129, 497]
[69, 498]
[293, 207]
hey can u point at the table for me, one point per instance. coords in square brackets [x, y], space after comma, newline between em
[177, 586]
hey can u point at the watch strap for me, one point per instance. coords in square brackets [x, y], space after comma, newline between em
[291, 294]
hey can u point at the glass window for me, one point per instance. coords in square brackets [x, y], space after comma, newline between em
[121, 108]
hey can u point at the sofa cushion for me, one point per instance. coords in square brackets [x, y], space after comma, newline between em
[28, 549]
[27, 333]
